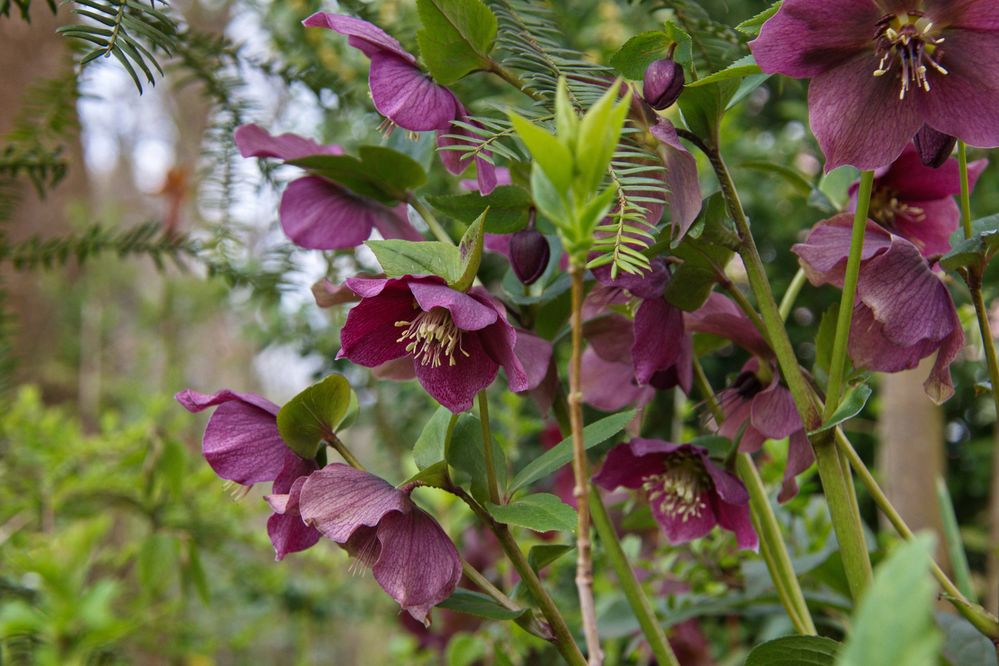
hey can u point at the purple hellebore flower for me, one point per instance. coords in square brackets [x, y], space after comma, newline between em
[662, 84]
[412, 558]
[903, 311]
[316, 213]
[759, 409]
[917, 202]
[882, 69]
[242, 444]
[399, 88]
[689, 494]
[684, 197]
[457, 341]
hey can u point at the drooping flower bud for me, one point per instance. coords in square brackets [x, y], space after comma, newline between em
[529, 254]
[663, 83]
[934, 147]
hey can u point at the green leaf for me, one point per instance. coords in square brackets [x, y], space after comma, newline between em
[852, 404]
[544, 554]
[824, 340]
[158, 558]
[955, 545]
[456, 38]
[599, 132]
[975, 252]
[752, 26]
[740, 69]
[541, 512]
[435, 476]
[509, 208]
[554, 158]
[561, 453]
[794, 651]
[894, 622]
[402, 257]
[429, 447]
[703, 107]
[379, 173]
[705, 252]
[465, 455]
[314, 415]
[480, 605]
[470, 253]
[639, 52]
[963, 644]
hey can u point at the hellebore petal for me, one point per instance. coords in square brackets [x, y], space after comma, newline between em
[366, 37]
[934, 147]
[287, 531]
[824, 253]
[684, 198]
[370, 336]
[610, 385]
[241, 441]
[529, 255]
[486, 173]
[254, 141]
[455, 386]
[408, 97]
[799, 458]
[722, 317]
[319, 215]
[339, 499]
[658, 336]
[468, 313]
[649, 284]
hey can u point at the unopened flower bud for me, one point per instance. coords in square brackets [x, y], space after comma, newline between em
[934, 147]
[529, 254]
[663, 83]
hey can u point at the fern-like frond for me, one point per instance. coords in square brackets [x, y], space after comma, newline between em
[24, 8]
[129, 30]
[43, 168]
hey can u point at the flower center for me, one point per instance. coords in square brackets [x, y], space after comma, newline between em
[430, 336]
[886, 206]
[678, 492]
[908, 39]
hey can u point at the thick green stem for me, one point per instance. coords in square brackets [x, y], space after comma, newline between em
[846, 520]
[580, 468]
[633, 591]
[487, 449]
[962, 154]
[984, 621]
[562, 636]
[837, 367]
[772, 545]
[791, 295]
[344, 452]
[436, 228]
[527, 621]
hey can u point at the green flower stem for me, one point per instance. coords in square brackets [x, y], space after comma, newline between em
[984, 621]
[580, 468]
[499, 70]
[835, 482]
[837, 367]
[746, 307]
[527, 621]
[436, 228]
[344, 452]
[633, 591]
[772, 545]
[962, 155]
[562, 636]
[791, 295]
[487, 449]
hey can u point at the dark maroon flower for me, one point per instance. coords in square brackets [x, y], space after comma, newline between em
[684, 197]
[662, 83]
[917, 202]
[529, 255]
[881, 70]
[316, 213]
[242, 444]
[457, 341]
[933, 146]
[689, 494]
[411, 557]
[903, 311]
[399, 88]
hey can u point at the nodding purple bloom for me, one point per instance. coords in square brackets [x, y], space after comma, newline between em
[688, 493]
[684, 197]
[903, 311]
[410, 555]
[242, 444]
[399, 88]
[662, 84]
[756, 407]
[882, 69]
[917, 202]
[457, 341]
[316, 213]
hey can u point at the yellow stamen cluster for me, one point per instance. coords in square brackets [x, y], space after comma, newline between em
[908, 38]
[679, 491]
[886, 206]
[430, 336]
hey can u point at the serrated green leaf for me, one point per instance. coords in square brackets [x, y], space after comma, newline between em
[314, 415]
[541, 512]
[561, 453]
[470, 253]
[703, 106]
[395, 173]
[636, 54]
[852, 404]
[795, 651]
[509, 208]
[740, 69]
[456, 38]
[401, 257]
[894, 622]
[435, 476]
[975, 252]
[752, 26]
[544, 554]
[480, 605]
